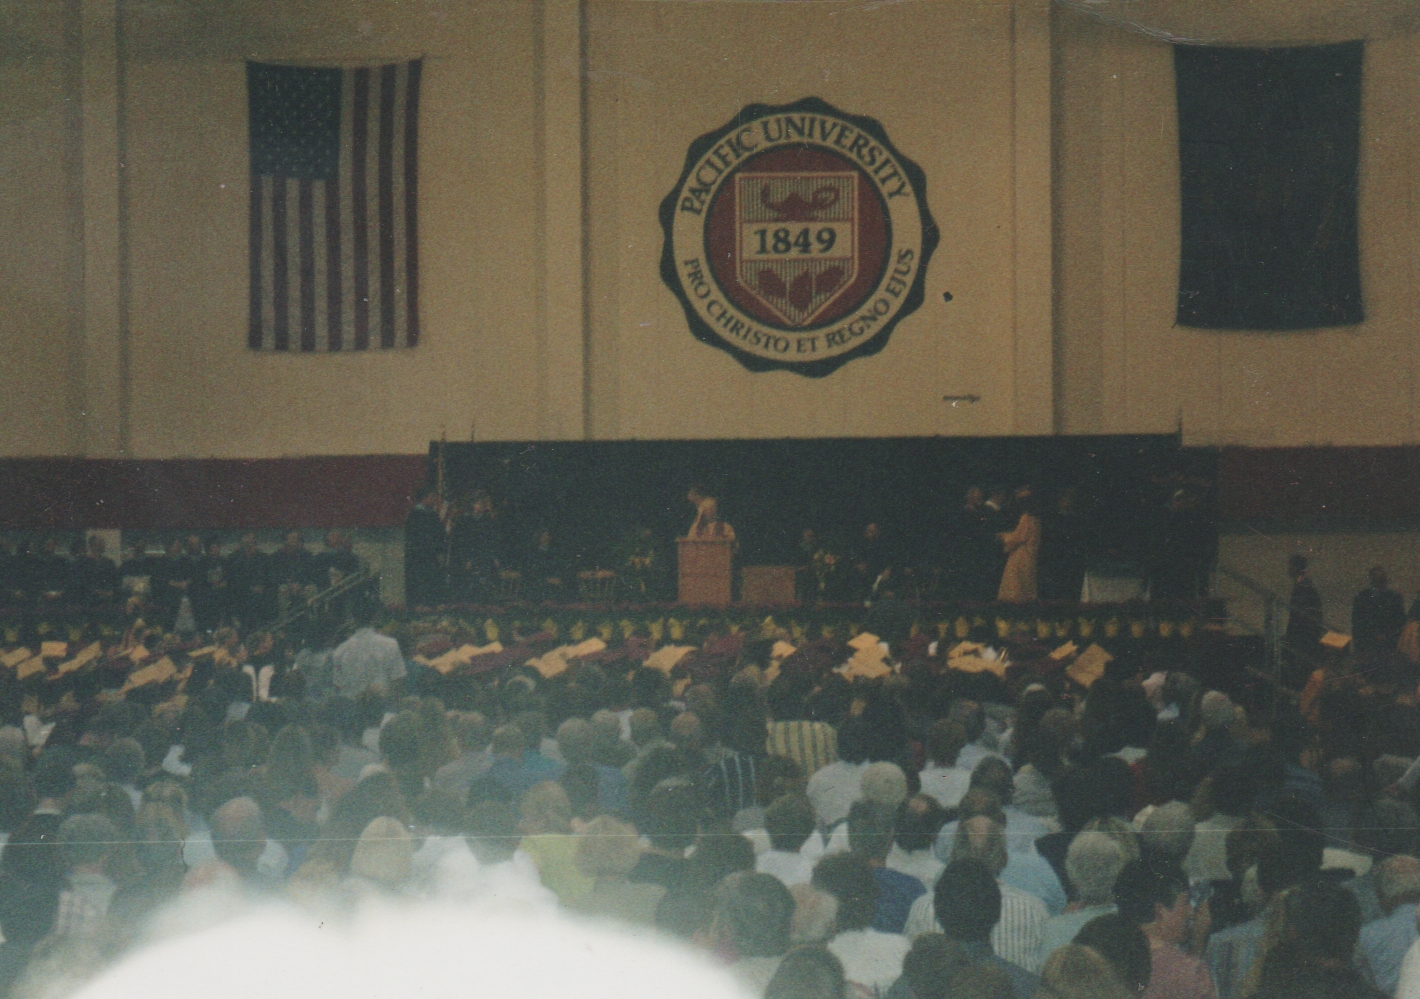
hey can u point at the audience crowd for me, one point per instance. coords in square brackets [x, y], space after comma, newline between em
[927, 834]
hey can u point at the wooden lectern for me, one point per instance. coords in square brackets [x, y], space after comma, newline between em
[705, 571]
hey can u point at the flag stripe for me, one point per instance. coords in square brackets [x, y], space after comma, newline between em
[333, 253]
[401, 82]
[254, 330]
[281, 331]
[411, 198]
[359, 220]
[332, 263]
[387, 206]
[308, 264]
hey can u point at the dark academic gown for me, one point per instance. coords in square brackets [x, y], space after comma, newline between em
[95, 580]
[424, 547]
[253, 598]
[1304, 627]
[292, 566]
[473, 556]
[989, 554]
[1064, 556]
[1377, 618]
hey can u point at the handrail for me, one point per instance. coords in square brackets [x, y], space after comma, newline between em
[307, 607]
[1248, 583]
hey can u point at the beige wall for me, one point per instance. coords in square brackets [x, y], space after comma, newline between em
[1123, 366]
[940, 78]
[1047, 139]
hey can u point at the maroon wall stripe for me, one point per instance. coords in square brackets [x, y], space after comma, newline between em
[279, 290]
[333, 276]
[209, 494]
[411, 202]
[385, 156]
[254, 333]
[359, 219]
[306, 237]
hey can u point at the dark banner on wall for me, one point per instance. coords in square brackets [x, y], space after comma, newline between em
[1268, 149]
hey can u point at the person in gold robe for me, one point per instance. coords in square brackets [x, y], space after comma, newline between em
[1022, 545]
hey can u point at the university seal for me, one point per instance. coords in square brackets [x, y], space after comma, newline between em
[797, 237]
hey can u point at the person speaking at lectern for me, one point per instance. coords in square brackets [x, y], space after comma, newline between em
[707, 525]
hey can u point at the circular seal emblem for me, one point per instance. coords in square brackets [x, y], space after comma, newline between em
[797, 237]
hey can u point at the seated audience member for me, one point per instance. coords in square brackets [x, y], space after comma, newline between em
[504, 876]
[1217, 745]
[382, 863]
[972, 718]
[1156, 899]
[1383, 943]
[919, 819]
[1076, 972]
[810, 972]
[870, 833]
[1231, 791]
[815, 915]
[1391, 831]
[751, 923]
[834, 787]
[1025, 870]
[971, 904]
[1167, 833]
[516, 767]
[930, 968]
[1123, 945]
[1093, 862]
[789, 823]
[670, 822]
[1313, 957]
[239, 840]
[1045, 761]
[883, 783]
[993, 774]
[1016, 937]
[85, 842]
[811, 744]
[941, 777]
[546, 825]
[731, 781]
[576, 744]
[872, 960]
[607, 851]
[473, 734]
[1294, 860]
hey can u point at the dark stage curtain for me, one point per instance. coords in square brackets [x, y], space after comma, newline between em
[1268, 149]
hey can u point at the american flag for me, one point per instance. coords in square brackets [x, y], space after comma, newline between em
[334, 195]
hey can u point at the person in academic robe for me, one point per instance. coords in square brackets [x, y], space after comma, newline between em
[248, 574]
[95, 579]
[546, 572]
[292, 572]
[1377, 615]
[1304, 627]
[994, 519]
[1022, 549]
[869, 560]
[425, 552]
[338, 562]
[49, 572]
[172, 581]
[212, 591]
[474, 550]
[12, 583]
[1064, 549]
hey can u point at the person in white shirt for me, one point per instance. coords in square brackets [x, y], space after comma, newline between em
[1016, 937]
[85, 842]
[789, 823]
[942, 778]
[872, 960]
[972, 717]
[367, 658]
[497, 874]
[834, 788]
[919, 819]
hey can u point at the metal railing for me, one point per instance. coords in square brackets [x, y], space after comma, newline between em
[325, 600]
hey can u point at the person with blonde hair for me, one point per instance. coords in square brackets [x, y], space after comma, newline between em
[606, 852]
[383, 859]
[546, 826]
[1075, 972]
